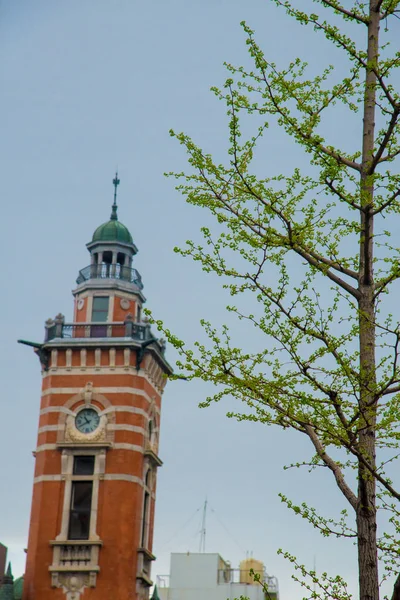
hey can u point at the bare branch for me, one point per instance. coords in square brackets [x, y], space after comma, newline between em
[307, 136]
[332, 263]
[332, 465]
[340, 195]
[374, 472]
[315, 334]
[385, 205]
[386, 139]
[338, 280]
[378, 6]
[389, 11]
[391, 390]
[385, 89]
[389, 156]
[314, 259]
[345, 12]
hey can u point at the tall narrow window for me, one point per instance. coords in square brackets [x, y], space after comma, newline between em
[100, 309]
[81, 505]
[81, 499]
[146, 510]
[145, 524]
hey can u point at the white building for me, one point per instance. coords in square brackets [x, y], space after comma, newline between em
[209, 577]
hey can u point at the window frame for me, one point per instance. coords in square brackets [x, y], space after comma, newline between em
[146, 510]
[96, 311]
[77, 512]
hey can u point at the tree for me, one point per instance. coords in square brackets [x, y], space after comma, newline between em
[332, 372]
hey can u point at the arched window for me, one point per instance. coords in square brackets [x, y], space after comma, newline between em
[146, 511]
[152, 434]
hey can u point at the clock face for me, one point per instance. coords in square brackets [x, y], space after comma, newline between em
[87, 420]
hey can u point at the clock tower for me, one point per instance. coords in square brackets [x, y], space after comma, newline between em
[92, 515]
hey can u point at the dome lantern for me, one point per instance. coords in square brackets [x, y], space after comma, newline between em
[111, 250]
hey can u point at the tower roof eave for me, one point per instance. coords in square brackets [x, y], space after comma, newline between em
[108, 243]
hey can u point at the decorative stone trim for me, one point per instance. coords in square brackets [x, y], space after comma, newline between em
[106, 370]
[54, 356]
[46, 428]
[72, 434]
[75, 566]
[57, 409]
[155, 373]
[43, 478]
[106, 477]
[124, 446]
[129, 409]
[127, 357]
[44, 447]
[123, 477]
[101, 390]
[68, 433]
[152, 456]
[124, 427]
[124, 303]
[67, 462]
[68, 358]
[143, 577]
[76, 562]
[112, 354]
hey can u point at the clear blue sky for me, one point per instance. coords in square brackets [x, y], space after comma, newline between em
[86, 86]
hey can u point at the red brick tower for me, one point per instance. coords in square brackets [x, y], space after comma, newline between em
[91, 526]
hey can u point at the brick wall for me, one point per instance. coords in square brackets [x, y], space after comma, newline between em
[3, 559]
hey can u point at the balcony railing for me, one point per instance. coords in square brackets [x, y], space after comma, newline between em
[75, 556]
[242, 576]
[105, 271]
[233, 576]
[128, 329]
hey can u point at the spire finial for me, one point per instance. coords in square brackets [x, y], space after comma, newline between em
[8, 576]
[116, 183]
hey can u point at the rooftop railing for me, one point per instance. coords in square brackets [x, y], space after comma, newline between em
[242, 576]
[233, 576]
[105, 271]
[128, 329]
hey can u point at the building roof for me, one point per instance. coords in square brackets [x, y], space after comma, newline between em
[10, 589]
[18, 588]
[155, 595]
[112, 231]
[7, 589]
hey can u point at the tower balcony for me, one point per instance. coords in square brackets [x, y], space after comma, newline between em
[110, 271]
[58, 329]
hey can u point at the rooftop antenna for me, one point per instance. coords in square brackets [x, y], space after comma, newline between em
[202, 547]
[116, 183]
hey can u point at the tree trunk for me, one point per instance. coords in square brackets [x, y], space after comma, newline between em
[367, 554]
[366, 508]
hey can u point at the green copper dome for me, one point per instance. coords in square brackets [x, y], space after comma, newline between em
[7, 589]
[112, 231]
[18, 588]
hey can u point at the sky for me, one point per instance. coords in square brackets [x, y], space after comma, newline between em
[86, 87]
